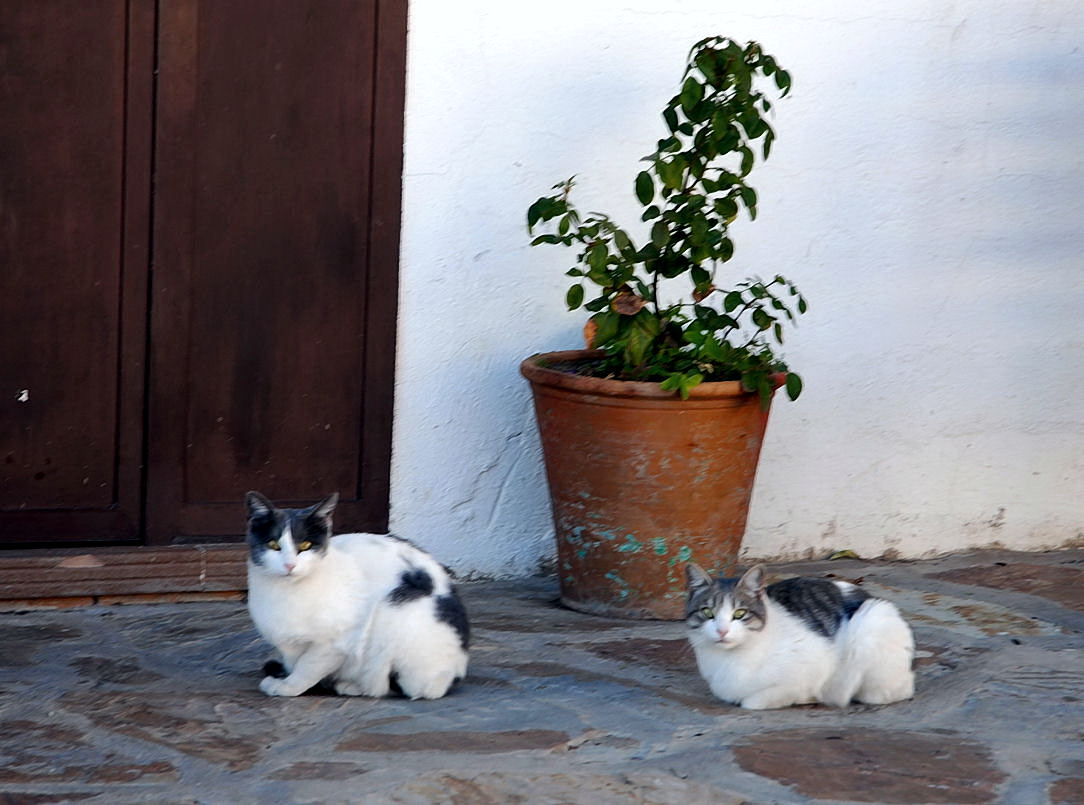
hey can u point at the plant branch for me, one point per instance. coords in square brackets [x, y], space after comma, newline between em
[693, 195]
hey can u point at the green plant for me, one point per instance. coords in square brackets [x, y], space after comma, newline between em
[691, 191]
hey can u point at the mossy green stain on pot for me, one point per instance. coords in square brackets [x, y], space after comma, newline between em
[622, 585]
[684, 554]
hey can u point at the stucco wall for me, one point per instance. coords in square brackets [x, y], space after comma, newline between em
[926, 192]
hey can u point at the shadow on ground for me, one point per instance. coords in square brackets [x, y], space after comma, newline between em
[158, 703]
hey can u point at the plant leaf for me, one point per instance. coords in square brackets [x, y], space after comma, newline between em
[670, 116]
[643, 327]
[749, 196]
[596, 256]
[660, 235]
[692, 92]
[725, 249]
[645, 188]
[533, 214]
[670, 172]
[606, 326]
[691, 382]
[746, 160]
[761, 319]
[782, 80]
[794, 385]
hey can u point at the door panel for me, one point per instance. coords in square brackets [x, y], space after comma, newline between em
[140, 398]
[264, 260]
[73, 228]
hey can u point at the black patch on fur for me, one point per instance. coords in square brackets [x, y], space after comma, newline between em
[267, 523]
[413, 584]
[262, 527]
[274, 668]
[451, 611]
[393, 685]
[818, 602]
[852, 600]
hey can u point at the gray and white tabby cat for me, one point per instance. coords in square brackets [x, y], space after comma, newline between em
[796, 641]
[360, 613]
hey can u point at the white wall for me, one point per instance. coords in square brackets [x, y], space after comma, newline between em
[926, 192]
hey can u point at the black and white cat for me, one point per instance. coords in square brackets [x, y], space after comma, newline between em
[796, 641]
[359, 612]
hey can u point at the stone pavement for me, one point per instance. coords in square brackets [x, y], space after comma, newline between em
[158, 703]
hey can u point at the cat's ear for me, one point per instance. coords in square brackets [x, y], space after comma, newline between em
[258, 505]
[696, 577]
[752, 583]
[325, 507]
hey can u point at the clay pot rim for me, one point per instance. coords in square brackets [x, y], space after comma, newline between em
[609, 387]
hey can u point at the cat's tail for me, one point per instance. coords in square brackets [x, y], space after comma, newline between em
[875, 649]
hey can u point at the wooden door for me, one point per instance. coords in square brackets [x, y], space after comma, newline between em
[273, 294]
[75, 100]
[167, 345]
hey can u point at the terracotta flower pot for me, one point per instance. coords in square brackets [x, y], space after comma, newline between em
[642, 482]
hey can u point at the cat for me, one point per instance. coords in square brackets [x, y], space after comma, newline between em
[360, 614]
[797, 641]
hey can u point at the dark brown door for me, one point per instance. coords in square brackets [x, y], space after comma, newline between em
[74, 197]
[271, 318]
[164, 350]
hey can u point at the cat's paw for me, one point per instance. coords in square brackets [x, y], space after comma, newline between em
[433, 688]
[276, 687]
[768, 700]
[350, 689]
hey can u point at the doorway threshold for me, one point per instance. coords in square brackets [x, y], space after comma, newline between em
[56, 578]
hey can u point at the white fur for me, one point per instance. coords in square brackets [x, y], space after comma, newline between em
[874, 652]
[785, 663]
[329, 617]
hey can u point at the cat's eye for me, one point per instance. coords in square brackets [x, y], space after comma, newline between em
[304, 546]
[707, 612]
[738, 614]
[273, 545]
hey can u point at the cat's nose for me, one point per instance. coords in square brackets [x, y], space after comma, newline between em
[290, 567]
[721, 632]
